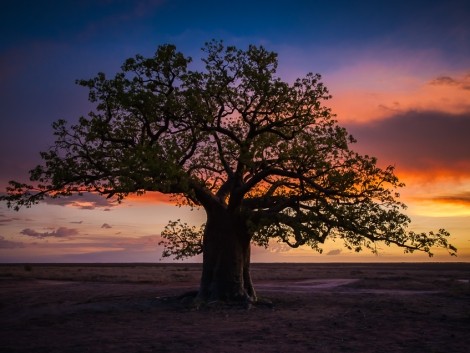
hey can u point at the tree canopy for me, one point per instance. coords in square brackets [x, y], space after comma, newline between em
[231, 136]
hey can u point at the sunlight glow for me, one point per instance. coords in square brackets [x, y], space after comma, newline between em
[386, 92]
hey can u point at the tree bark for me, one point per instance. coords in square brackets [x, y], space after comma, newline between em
[226, 259]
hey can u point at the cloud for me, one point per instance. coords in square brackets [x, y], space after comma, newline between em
[110, 249]
[4, 221]
[106, 225]
[7, 244]
[106, 249]
[274, 247]
[77, 222]
[421, 142]
[460, 82]
[380, 83]
[334, 252]
[461, 198]
[152, 197]
[91, 201]
[61, 232]
[87, 201]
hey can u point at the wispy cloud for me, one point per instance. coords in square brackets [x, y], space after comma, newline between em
[8, 244]
[87, 201]
[106, 226]
[5, 220]
[61, 232]
[460, 82]
[461, 198]
[90, 201]
[109, 248]
[376, 88]
[334, 252]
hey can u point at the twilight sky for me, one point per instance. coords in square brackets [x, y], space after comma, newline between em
[399, 73]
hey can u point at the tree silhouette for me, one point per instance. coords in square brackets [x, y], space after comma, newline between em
[264, 158]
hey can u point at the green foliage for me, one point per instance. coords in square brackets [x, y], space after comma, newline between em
[232, 136]
[180, 240]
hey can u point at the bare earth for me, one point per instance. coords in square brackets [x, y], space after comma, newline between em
[316, 308]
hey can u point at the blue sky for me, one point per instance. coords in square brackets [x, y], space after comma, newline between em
[399, 73]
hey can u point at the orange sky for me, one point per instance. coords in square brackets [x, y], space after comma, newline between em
[436, 193]
[399, 73]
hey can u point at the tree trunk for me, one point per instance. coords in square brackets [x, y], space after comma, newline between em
[226, 259]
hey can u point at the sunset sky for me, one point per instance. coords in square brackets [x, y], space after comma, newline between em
[399, 73]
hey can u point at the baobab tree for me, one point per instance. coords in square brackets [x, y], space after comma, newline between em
[264, 158]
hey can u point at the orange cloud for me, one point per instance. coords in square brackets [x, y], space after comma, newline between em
[152, 198]
[462, 198]
[437, 196]
[372, 91]
[414, 120]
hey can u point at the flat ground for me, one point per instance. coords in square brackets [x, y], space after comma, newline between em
[316, 308]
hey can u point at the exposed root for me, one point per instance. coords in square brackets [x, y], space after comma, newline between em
[192, 301]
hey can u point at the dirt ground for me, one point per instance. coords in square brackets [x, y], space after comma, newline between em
[316, 308]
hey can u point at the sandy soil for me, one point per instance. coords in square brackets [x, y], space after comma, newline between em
[316, 308]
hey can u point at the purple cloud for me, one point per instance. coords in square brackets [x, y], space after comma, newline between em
[106, 225]
[418, 141]
[5, 221]
[463, 83]
[87, 201]
[8, 244]
[61, 232]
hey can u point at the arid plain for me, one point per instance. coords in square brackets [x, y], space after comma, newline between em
[376, 307]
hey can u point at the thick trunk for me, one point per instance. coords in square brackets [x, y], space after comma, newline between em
[226, 259]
